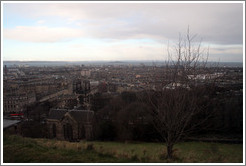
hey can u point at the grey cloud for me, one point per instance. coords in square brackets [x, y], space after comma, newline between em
[217, 23]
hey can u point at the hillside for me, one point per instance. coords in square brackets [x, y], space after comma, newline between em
[17, 149]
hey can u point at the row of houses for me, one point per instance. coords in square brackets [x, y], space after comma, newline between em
[16, 102]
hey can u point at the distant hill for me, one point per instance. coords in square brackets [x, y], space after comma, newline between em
[64, 63]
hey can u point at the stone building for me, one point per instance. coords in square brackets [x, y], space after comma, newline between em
[80, 86]
[17, 102]
[67, 101]
[70, 125]
[85, 73]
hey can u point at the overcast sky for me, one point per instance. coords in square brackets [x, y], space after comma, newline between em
[118, 31]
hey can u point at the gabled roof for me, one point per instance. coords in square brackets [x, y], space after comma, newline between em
[57, 114]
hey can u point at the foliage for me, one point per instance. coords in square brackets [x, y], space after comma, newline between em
[33, 129]
[106, 131]
[220, 114]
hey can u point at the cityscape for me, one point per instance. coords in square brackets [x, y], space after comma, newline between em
[77, 90]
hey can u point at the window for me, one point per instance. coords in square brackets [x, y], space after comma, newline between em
[68, 132]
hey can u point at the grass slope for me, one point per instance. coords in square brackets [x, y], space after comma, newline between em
[26, 150]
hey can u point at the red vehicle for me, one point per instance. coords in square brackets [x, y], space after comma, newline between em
[17, 115]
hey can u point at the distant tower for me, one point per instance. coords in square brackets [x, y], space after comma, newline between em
[5, 70]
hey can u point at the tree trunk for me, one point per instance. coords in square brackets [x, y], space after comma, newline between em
[169, 151]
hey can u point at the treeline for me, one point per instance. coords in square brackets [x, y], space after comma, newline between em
[129, 116]
[124, 118]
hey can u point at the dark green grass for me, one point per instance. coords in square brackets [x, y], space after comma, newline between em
[185, 152]
[26, 150]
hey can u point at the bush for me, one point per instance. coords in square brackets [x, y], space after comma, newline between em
[107, 131]
[33, 129]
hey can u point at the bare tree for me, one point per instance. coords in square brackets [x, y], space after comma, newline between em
[182, 97]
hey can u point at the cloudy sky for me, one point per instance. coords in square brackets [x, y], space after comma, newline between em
[118, 31]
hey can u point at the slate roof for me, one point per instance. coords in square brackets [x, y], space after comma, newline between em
[82, 115]
[8, 123]
[57, 114]
[78, 115]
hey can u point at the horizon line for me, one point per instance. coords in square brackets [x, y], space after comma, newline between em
[105, 61]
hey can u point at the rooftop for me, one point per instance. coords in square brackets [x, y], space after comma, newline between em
[8, 123]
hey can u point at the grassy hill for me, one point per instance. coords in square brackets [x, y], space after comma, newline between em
[17, 149]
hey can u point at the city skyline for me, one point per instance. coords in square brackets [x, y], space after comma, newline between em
[118, 31]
